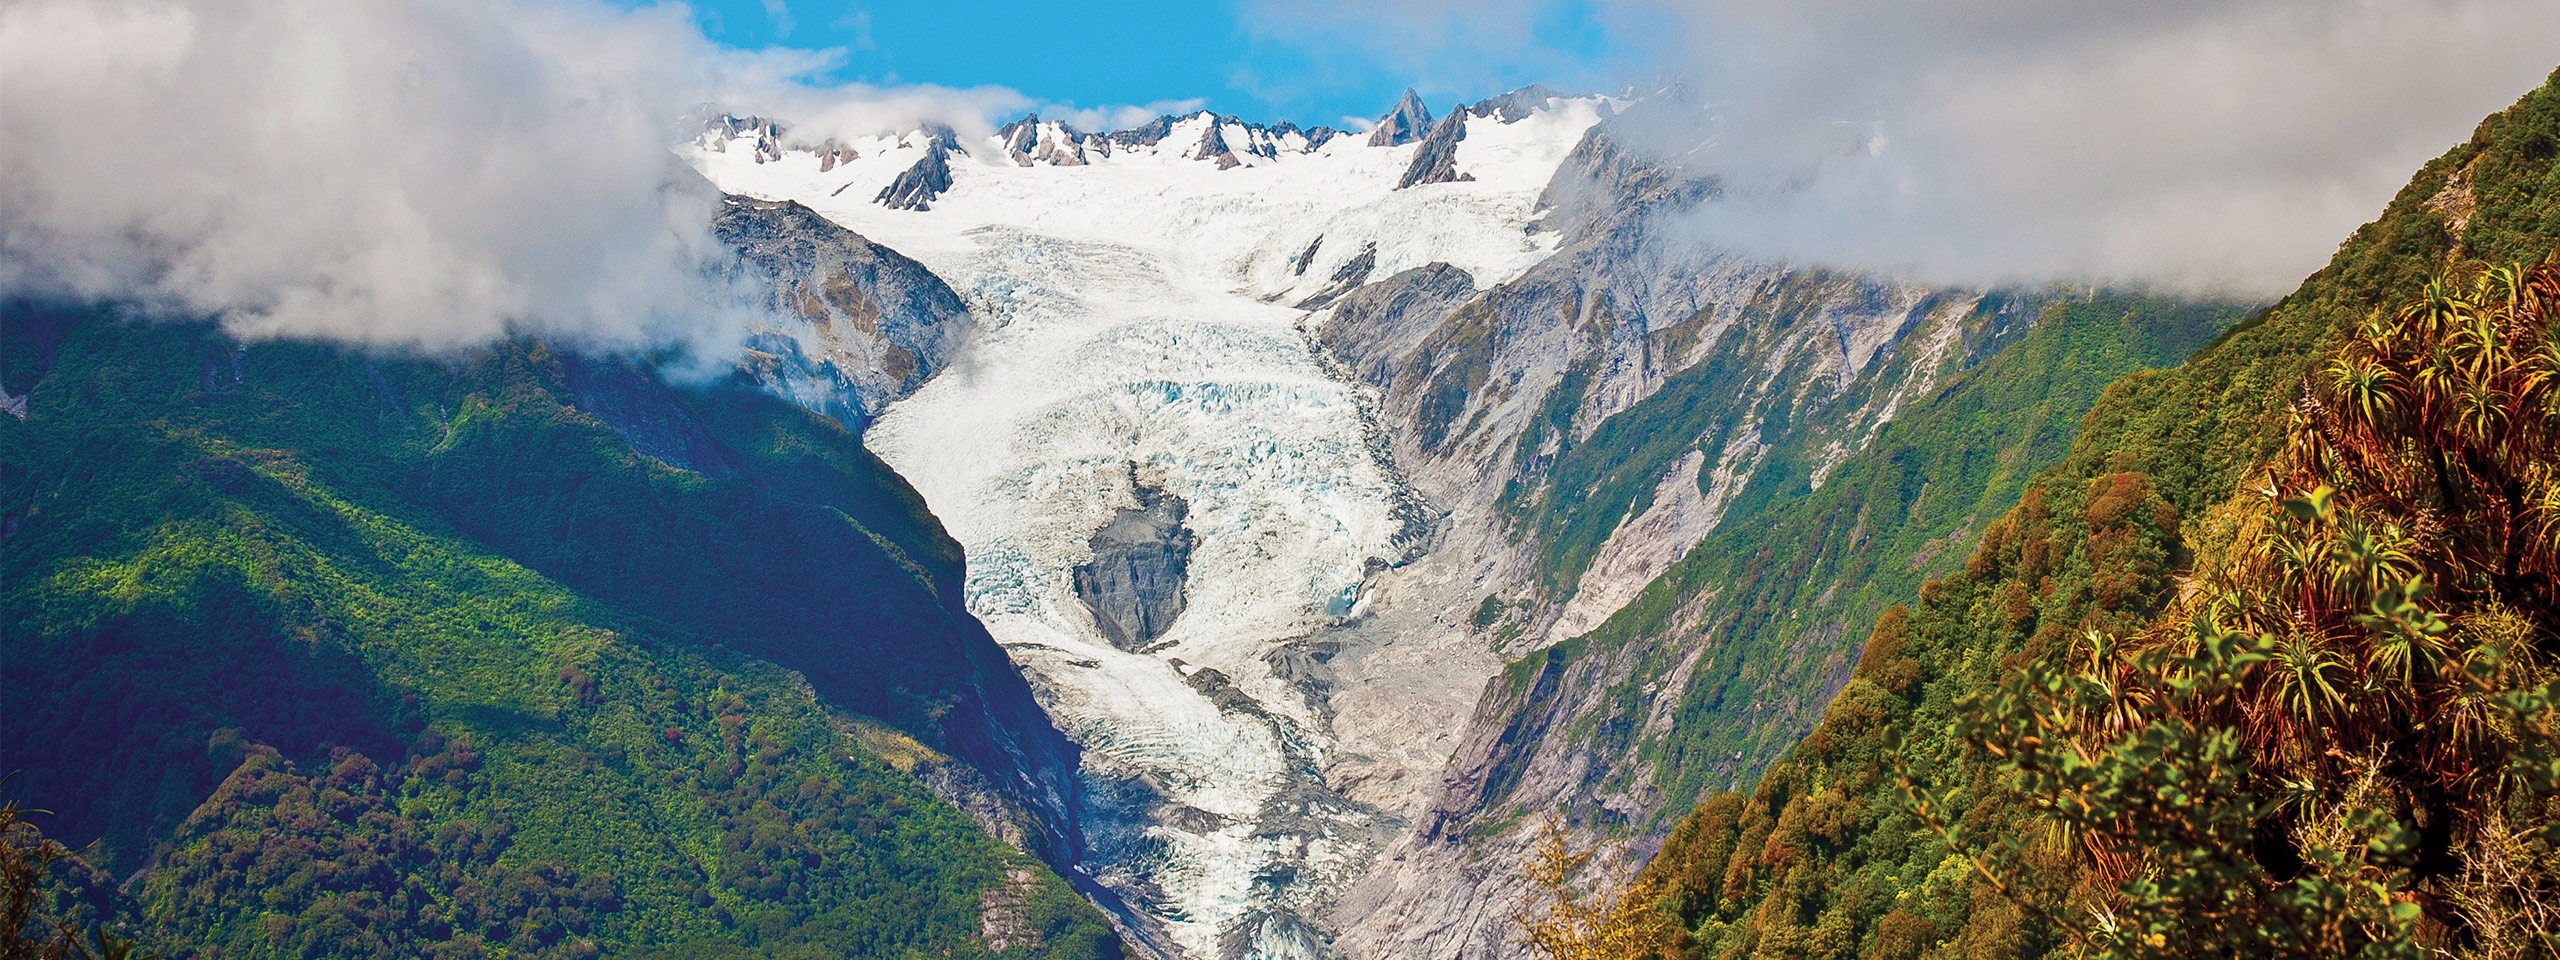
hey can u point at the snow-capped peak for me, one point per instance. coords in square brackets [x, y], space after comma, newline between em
[1404, 123]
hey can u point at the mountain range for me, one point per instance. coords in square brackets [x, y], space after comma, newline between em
[1206, 539]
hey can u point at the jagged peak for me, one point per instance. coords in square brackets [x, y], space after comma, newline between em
[1409, 120]
[1516, 105]
[720, 128]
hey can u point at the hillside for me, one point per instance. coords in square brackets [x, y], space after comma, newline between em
[1825, 856]
[512, 652]
[1677, 480]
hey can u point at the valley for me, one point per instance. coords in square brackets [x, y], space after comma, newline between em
[1241, 445]
[1668, 524]
[1135, 344]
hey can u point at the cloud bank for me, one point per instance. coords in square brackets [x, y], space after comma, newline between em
[2222, 145]
[440, 172]
[428, 173]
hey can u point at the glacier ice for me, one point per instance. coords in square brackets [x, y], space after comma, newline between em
[1132, 325]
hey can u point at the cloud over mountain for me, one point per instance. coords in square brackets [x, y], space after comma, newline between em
[402, 172]
[2194, 143]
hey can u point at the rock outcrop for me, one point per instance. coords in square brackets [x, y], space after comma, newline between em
[720, 131]
[920, 185]
[880, 323]
[1346, 278]
[1514, 106]
[1404, 123]
[1213, 147]
[1437, 161]
[1134, 583]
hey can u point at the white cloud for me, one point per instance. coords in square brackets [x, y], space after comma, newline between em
[395, 172]
[2207, 144]
[415, 172]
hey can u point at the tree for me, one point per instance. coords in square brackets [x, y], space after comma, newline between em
[1568, 925]
[27, 879]
[2339, 738]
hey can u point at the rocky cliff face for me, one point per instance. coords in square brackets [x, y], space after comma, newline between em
[881, 324]
[1404, 123]
[920, 185]
[1522, 412]
[1437, 161]
[1134, 583]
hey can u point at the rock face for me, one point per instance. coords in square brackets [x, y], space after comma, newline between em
[881, 323]
[1498, 404]
[1515, 106]
[1437, 161]
[1213, 147]
[766, 134]
[1404, 123]
[1346, 278]
[925, 182]
[1134, 583]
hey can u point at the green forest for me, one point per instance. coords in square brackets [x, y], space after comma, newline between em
[2263, 667]
[314, 652]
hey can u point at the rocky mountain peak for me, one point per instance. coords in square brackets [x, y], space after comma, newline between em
[1406, 123]
[920, 185]
[718, 130]
[1437, 161]
[1515, 106]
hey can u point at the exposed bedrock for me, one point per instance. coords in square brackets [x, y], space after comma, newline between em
[1133, 585]
[873, 325]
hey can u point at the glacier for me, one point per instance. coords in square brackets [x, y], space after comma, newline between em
[1136, 323]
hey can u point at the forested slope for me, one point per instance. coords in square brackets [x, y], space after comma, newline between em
[1827, 855]
[512, 652]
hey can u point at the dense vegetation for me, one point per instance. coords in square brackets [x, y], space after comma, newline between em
[2252, 671]
[337, 655]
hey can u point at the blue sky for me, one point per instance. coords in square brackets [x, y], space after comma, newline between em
[1311, 62]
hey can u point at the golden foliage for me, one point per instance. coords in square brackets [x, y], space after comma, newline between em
[1567, 925]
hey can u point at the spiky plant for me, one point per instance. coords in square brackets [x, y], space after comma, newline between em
[2338, 740]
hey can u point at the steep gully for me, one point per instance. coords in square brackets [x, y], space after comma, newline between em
[1244, 551]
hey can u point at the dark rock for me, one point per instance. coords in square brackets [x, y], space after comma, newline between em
[1437, 161]
[1373, 324]
[1347, 277]
[1298, 264]
[831, 153]
[1223, 692]
[1515, 106]
[1134, 584]
[1213, 146]
[920, 185]
[1404, 124]
[722, 129]
[1020, 137]
[1148, 135]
